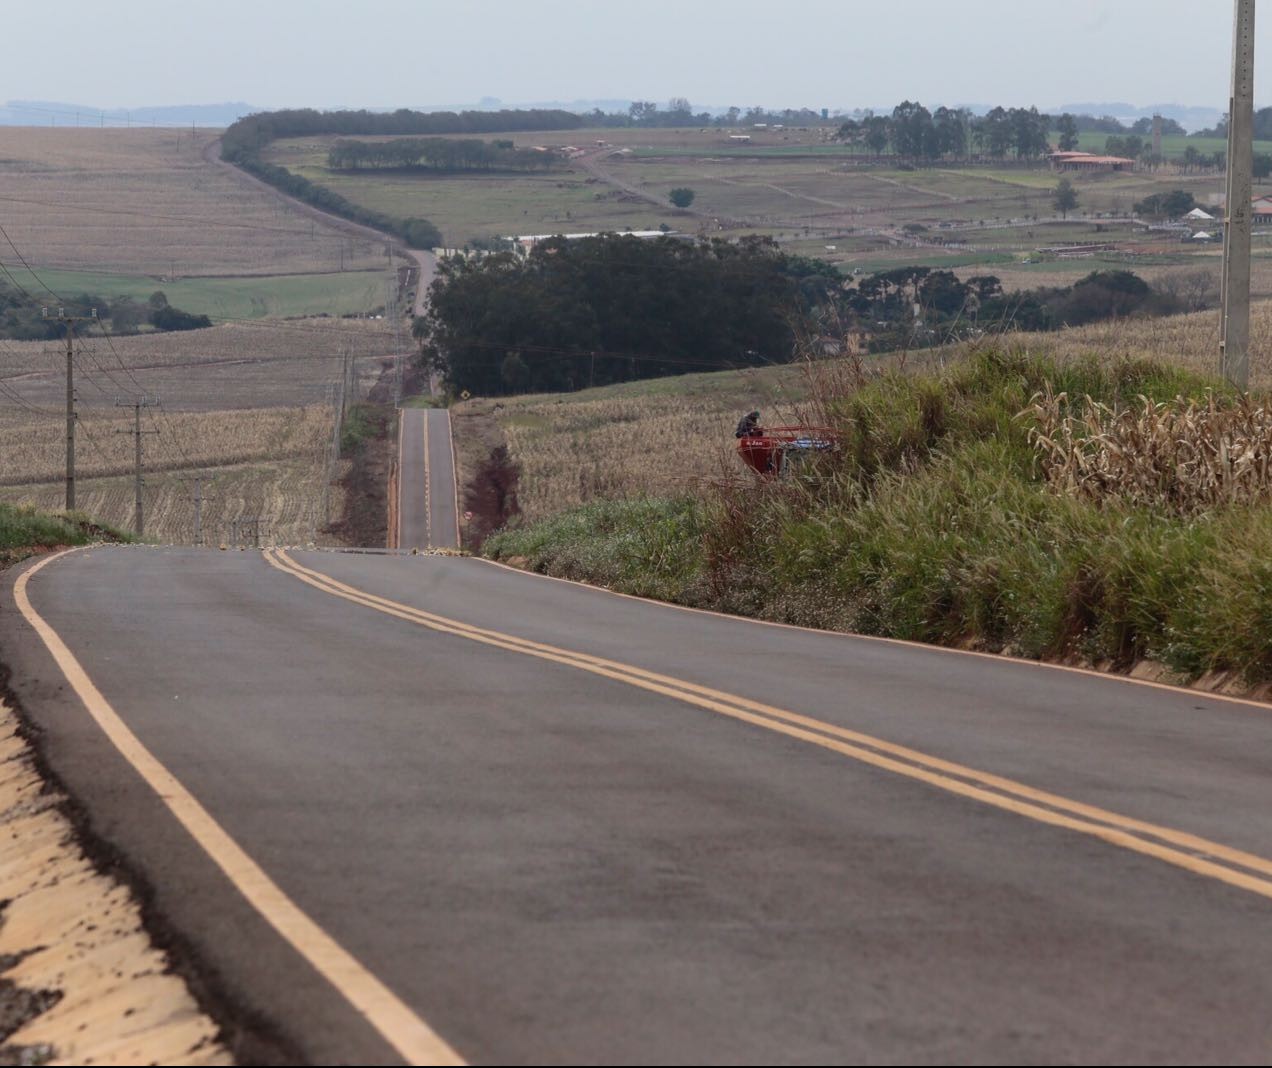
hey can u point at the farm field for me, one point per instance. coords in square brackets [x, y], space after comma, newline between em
[123, 213]
[146, 202]
[266, 463]
[250, 405]
[654, 436]
[663, 436]
[814, 197]
[242, 297]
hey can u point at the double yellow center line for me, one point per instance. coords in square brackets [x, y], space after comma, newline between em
[1191, 852]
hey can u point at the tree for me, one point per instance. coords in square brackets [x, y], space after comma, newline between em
[1068, 130]
[876, 127]
[1262, 165]
[681, 196]
[1064, 197]
[1166, 205]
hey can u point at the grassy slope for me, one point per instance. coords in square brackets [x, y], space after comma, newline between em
[935, 527]
[24, 531]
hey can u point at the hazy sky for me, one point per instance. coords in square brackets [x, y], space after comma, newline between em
[815, 53]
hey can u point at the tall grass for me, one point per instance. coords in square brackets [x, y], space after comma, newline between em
[935, 522]
[26, 530]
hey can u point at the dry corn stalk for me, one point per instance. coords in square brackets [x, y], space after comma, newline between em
[1186, 456]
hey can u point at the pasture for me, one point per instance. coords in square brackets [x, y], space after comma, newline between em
[812, 195]
[226, 297]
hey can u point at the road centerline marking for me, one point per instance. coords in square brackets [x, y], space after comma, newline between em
[1179, 848]
[396, 1022]
[428, 489]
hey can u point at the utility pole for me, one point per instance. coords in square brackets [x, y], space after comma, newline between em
[139, 527]
[70, 321]
[1234, 356]
[198, 499]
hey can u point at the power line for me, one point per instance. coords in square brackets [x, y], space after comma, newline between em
[24, 263]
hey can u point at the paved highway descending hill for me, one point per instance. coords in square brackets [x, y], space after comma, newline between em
[427, 512]
[426, 808]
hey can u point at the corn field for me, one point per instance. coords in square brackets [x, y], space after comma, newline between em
[1185, 456]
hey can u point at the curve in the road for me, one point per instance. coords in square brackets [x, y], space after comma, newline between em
[1188, 851]
[562, 825]
[401, 1028]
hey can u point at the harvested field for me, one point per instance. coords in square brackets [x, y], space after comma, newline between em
[147, 202]
[267, 464]
[249, 404]
[235, 365]
[657, 436]
[662, 436]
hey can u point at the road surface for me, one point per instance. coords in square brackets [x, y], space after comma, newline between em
[427, 512]
[426, 808]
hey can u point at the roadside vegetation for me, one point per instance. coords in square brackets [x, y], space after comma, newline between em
[25, 531]
[985, 500]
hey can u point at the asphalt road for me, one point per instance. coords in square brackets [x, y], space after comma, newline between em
[427, 516]
[564, 826]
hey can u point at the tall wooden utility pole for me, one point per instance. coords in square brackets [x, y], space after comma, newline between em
[70, 321]
[139, 526]
[1234, 343]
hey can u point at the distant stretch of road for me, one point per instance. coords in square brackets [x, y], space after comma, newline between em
[422, 808]
[425, 261]
[427, 512]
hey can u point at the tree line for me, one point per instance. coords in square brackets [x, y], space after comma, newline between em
[916, 307]
[242, 142]
[22, 316]
[914, 132]
[450, 155]
[252, 133]
[615, 308]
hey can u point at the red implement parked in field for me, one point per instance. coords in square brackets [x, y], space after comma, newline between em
[773, 450]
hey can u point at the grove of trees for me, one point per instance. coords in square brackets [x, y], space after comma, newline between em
[22, 318]
[914, 132]
[616, 308]
[445, 154]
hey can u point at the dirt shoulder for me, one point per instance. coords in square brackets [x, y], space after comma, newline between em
[484, 470]
[83, 983]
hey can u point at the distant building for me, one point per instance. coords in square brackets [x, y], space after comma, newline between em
[739, 137]
[525, 242]
[1086, 161]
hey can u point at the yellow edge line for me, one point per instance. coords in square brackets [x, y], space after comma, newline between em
[985, 787]
[381, 1008]
[931, 647]
[428, 489]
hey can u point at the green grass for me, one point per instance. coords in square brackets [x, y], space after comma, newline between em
[932, 523]
[423, 400]
[252, 297]
[24, 531]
